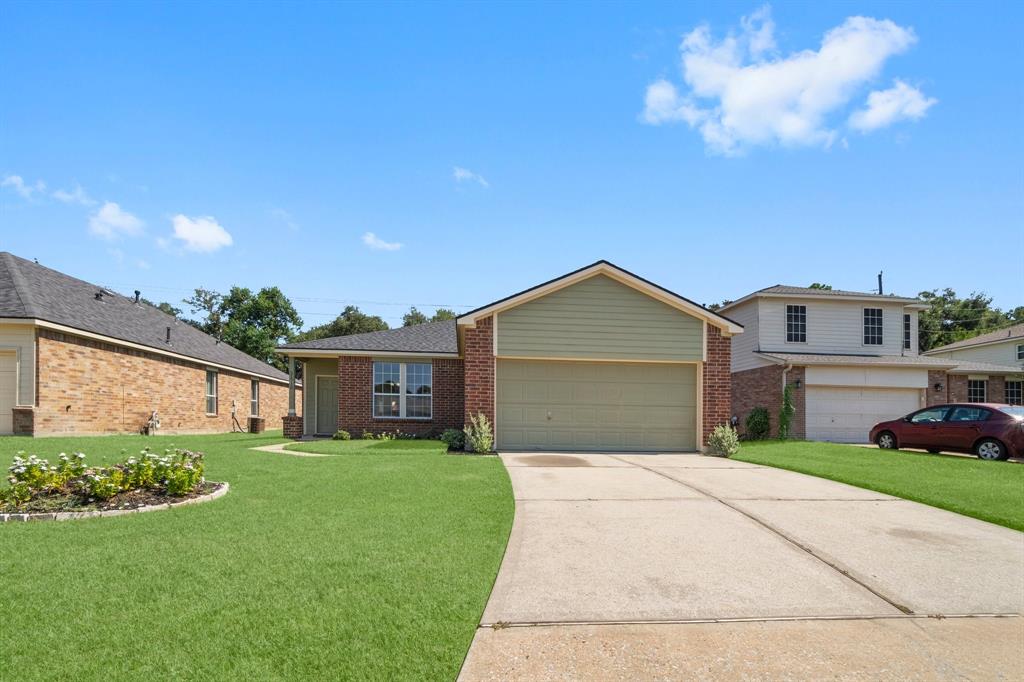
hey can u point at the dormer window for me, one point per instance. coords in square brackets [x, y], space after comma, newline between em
[872, 326]
[796, 324]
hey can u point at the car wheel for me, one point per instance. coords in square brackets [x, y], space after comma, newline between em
[990, 449]
[887, 440]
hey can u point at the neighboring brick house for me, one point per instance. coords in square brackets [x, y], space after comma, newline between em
[1002, 347]
[78, 359]
[849, 358]
[599, 359]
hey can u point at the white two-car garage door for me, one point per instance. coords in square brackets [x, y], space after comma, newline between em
[846, 414]
[547, 405]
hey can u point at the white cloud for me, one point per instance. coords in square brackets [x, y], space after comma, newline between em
[18, 184]
[740, 97]
[378, 244]
[76, 196]
[465, 175]
[885, 107]
[111, 222]
[285, 217]
[203, 234]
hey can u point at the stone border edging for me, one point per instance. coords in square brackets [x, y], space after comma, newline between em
[68, 516]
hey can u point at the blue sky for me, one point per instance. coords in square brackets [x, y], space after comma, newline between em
[259, 144]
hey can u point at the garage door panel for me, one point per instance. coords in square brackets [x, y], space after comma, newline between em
[8, 390]
[596, 406]
[843, 414]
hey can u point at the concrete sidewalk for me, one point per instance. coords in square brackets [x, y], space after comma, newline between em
[612, 555]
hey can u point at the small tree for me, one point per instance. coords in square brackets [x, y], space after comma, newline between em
[786, 413]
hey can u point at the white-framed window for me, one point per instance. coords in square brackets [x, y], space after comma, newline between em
[254, 397]
[1020, 351]
[977, 391]
[796, 324]
[906, 332]
[872, 326]
[1015, 392]
[211, 391]
[402, 390]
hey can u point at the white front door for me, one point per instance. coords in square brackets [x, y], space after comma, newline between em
[846, 414]
[8, 390]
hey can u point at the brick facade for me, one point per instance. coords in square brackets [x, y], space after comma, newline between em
[355, 409]
[292, 426]
[937, 396]
[92, 387]
[717, 387]
[762, 387]
[24, 420]
[956, 388]
[478, 351]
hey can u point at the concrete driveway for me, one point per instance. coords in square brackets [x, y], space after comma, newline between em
[679, 566]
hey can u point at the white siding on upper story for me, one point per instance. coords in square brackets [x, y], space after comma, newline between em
[21, 339]
[744, 345]
[833, 327]
[1002, 353]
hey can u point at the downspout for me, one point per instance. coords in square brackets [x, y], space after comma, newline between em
[785, 371]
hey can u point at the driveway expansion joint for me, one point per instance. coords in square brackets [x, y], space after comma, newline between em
[501, 625]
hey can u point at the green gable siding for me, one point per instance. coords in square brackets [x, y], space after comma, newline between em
[599, 318]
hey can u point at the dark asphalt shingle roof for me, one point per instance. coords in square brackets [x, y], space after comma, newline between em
[808, 291]
[32, 291]
[431, 337]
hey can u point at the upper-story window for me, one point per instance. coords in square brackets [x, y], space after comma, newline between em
[796, 324]
[906, 332]
[1020, 351]
[872, 326]
[402, 390]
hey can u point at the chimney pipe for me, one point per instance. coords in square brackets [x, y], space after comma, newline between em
[137, 295]
[168, 335]
[879, 283]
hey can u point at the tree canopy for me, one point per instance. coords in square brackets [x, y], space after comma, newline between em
[952, 318]
[414, 316]
[351, 321]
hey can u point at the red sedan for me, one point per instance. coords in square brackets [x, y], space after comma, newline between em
[989, 430]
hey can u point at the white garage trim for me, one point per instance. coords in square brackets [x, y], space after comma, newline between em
[867, 377]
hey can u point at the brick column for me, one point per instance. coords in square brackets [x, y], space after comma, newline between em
[24, 421]
[292, 426]
[996, 389]
[717, 386]
[956, 388]
[478, 369]
[933, 396]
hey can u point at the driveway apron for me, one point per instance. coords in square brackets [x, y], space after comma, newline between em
[613, 558]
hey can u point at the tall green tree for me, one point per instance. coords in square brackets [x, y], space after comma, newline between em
[414, 316]
[253, 322]
[351, 321]
[951, 318]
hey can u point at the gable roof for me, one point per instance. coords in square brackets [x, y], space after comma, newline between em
[784, 290]
[430, 338]
[603, 267]
[1007, 334]
[33, 292]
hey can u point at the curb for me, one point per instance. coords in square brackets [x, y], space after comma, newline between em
[69, 516]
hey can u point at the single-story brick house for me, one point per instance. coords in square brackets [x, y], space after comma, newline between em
[76, 358]
[598, 359]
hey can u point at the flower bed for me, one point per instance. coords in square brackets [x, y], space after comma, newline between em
[146, 480]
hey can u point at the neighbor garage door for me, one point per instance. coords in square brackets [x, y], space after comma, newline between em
[629, 407]
[846, 415]
[8, 391]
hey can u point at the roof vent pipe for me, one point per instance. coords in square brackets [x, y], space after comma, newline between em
[99, 295]
[168, 335]
[137, 295]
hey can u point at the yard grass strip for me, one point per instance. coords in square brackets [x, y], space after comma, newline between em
[990, 491]
[375, 565]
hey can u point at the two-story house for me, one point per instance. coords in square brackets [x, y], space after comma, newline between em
[1003, 347]
[850, 359]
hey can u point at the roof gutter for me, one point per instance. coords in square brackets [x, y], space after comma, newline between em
[334, 353]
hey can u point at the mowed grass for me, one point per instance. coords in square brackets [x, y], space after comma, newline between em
[991, 491]
[375, 565]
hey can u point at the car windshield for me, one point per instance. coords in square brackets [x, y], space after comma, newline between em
[1016, 411]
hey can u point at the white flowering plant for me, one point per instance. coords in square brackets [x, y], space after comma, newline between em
[175, 473]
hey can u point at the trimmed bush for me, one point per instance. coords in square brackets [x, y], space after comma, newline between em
[341, 434]
[758, 424]
[723, 441]
[479, 436]
[454, 439]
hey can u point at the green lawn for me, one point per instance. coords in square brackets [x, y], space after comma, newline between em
[372, 565]
[991, 491]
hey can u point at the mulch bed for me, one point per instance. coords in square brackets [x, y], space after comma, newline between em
[130, 499]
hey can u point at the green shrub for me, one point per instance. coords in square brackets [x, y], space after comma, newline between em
[454, 439]
[479, 436]
[787, 412]
[341, 434]
[367, 435]
[723, 441]
[758, 424]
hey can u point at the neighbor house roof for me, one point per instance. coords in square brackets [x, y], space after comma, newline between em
[603, 267]
[431, 338]
[784, 290]
[969, 367]
[33, 292]
[863, 360]
[1008, 334]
